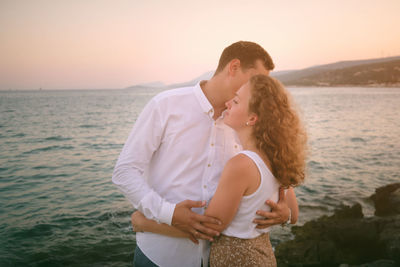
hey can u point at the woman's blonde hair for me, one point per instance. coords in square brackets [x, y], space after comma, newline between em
[279, 132]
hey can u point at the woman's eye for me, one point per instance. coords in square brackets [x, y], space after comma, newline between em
[234, 101]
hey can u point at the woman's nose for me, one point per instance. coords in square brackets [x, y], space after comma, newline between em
[227, 104]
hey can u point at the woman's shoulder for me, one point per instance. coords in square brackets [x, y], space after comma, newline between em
[242, 170]
[241, 159]
[241, 164]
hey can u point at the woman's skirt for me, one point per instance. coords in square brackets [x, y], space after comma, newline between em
[233, 251]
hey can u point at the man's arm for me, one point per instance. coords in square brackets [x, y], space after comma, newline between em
[286, 206]
[144, 139]
[135, 157]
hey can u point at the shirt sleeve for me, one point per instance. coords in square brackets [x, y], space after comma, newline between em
[143, 141]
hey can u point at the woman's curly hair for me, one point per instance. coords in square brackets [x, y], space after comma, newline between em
[279, 132]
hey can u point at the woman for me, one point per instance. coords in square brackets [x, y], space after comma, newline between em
[273, 156]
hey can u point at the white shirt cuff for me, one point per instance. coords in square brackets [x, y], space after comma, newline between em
[166, 213]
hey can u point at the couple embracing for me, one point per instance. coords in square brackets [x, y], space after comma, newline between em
[210, 168]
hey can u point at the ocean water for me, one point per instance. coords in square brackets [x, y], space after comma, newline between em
[58, 206]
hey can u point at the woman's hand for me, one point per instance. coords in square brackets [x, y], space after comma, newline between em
[141, 224]
[137, 220]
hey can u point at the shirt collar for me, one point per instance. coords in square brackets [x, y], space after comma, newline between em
[206, 107]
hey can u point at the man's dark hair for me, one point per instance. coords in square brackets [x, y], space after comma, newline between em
[248, 53]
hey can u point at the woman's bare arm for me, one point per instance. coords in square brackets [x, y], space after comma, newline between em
[141, 224]
[234, 182]
[237, 176]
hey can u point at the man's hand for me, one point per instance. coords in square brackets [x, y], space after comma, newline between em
[137, 219]
[278, 215]
[188, 221]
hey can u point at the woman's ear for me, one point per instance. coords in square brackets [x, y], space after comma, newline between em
[253, 118]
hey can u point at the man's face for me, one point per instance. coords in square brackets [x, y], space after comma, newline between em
[257, 69]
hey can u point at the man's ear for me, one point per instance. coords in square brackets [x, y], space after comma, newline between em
[253, 118]
[233, 67]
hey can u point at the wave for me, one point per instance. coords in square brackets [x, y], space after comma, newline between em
[57, 138]
[88, 126]
[12, 136]
[40, 167]
[106, 146]
[357, 139]
[111, 215]
[19, 135]
[315, 165]
[313, 208]
[42, 176]
[48, 148]
[100, 146]
[37, 230]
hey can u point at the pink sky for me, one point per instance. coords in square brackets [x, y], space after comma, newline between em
[115, 44]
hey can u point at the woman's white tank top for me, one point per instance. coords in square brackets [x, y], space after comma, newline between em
[242, 225]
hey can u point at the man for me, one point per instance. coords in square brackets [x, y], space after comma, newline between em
[175, 154]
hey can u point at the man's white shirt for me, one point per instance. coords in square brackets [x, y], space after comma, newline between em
[175, 151]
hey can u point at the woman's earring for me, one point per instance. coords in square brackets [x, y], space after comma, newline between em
[247, 123]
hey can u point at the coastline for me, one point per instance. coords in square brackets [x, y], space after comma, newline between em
[397, 85]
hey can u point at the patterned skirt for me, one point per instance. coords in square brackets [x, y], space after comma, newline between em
[233, 251]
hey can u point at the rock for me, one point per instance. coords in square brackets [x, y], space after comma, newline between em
[389, 238]
[387, 200]
[346, 212]
[378, 263]
[346, 237]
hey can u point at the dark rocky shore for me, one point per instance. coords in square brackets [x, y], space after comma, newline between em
[347, 238]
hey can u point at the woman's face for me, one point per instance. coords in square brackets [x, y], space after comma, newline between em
[237, 112]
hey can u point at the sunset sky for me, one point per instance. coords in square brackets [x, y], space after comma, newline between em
[88, 44]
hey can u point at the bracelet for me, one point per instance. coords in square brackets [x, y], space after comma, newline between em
[284, 224]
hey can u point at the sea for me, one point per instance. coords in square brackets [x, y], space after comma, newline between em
[58, 206]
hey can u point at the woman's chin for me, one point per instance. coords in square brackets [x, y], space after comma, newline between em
[226, 121]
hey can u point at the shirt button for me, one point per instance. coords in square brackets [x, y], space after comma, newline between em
[204, 186]
[235, 146]
[212, 144]
[209, 165]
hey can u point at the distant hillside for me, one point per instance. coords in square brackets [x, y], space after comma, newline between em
[159, 85]
[375, 72]
[370, 72]
[147, 85]
[205, 76]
